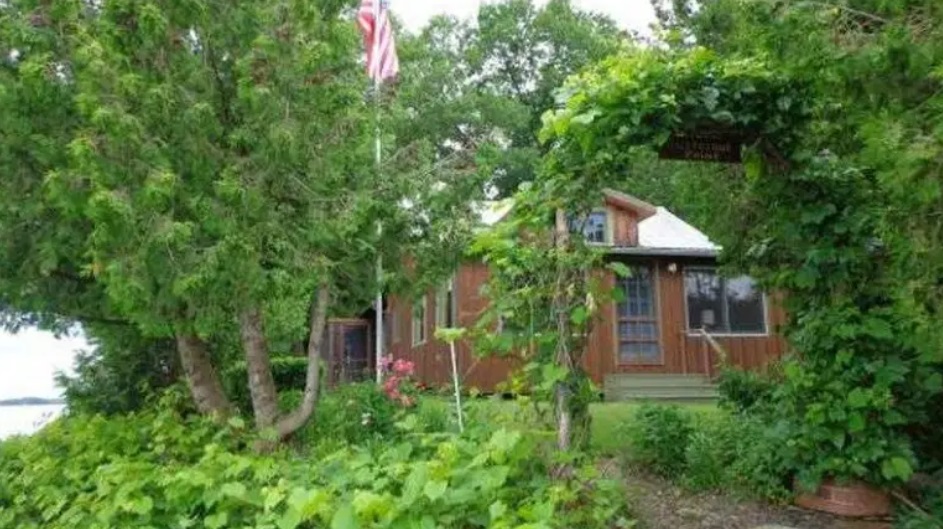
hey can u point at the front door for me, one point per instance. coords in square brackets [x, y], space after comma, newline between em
[637, 315]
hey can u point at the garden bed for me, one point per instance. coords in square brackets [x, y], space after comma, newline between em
[660, 504]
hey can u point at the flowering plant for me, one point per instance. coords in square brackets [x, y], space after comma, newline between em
[397, 382]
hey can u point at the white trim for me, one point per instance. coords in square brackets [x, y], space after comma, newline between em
[693, 333]
[423, 322]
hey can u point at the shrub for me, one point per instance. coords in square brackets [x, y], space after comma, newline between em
[353, 414]
[162, 470]
[742, 390]
[710, 451]
[659, 436]
[289, 373]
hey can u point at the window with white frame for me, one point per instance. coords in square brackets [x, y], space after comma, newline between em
[445, 308]
[419, 321]
[594, 226]
[723, 305]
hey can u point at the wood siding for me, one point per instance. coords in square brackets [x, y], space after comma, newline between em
[433, 363]
[682, 351]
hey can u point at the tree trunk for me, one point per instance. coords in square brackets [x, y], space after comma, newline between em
[201, 376]
[564, 421]
[259, 367]
[298, 417]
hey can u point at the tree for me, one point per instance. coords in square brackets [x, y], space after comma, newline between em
[214, 183]
[485, 87]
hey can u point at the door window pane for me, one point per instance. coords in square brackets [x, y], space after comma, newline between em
[638, 321]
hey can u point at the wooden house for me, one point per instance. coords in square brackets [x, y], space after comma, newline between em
[679, 315]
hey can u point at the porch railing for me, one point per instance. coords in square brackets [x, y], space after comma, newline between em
[708, 344]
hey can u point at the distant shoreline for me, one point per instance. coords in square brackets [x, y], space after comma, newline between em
[32, 401]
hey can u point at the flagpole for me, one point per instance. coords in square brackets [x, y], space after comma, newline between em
[378, 155]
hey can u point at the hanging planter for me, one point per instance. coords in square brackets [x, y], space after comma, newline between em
[853, 499]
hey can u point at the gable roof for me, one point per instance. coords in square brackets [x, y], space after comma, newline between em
[660, 232]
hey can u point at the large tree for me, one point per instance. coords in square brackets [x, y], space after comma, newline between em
[485, 86]
[211, 179]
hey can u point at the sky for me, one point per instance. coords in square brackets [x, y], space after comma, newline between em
[629, 14]
[30, 359]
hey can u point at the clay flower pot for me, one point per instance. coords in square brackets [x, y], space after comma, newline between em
[853, 499]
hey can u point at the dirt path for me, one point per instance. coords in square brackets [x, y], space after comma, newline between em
[662, 505]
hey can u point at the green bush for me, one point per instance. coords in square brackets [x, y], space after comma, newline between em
[289, 373]
[710, 451]
[659, 436]
[160, 469]
[742, 390]
[353, 414]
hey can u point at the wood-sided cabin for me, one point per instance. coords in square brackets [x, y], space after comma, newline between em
[678, 315]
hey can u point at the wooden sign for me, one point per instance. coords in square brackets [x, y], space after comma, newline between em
[703, 146]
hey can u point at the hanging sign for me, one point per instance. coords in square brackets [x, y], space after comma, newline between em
[703, 146]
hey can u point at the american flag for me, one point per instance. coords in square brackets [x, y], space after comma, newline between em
[382, 62]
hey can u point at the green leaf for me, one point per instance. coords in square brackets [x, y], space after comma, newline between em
[897, 468]
[216, 521]
[620, 269]
[344, 517]
[435, 489]
[579, 315]
[497, 510]
[858, 398]
[290, 520]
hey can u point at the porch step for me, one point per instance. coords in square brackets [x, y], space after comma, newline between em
[659, 387]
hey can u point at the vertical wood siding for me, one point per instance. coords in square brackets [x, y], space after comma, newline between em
[682, 353]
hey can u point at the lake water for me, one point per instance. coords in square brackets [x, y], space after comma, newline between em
[16, 420]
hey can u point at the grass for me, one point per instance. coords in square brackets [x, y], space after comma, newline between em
[610, 419]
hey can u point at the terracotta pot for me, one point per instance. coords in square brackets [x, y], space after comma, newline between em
[853, 499]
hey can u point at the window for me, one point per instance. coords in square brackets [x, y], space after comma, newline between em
[724, 305]
[445, 305]
[594, 226]
[419, 322]
[638, 319]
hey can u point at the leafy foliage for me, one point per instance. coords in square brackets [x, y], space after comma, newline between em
[741, 390]
[659, 437]
[482, 87]
[160, 469]
[288, 371]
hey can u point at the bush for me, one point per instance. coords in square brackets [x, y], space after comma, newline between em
[162, 470]
[710, 452]
[659, 437]
[742, 390]
[289, 373]
[356, 414]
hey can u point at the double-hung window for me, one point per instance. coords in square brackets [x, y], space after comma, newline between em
[593, 226]
[723, 305]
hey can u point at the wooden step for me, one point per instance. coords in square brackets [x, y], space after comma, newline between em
[659, 387]
[649, 381]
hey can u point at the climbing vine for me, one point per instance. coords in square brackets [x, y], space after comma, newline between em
[808, 228]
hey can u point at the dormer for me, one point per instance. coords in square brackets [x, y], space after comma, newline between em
[616, 221]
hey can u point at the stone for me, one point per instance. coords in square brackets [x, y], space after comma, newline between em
[774, 527]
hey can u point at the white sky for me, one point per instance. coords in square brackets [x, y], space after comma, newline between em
[629, 14]
[29, 360]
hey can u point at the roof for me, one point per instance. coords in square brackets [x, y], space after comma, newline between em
[493, 212]
[660, 232]
[665, 234]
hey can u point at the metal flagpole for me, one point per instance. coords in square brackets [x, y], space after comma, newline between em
[379, 158]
